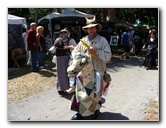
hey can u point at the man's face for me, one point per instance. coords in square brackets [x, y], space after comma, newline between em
[63, 34]
[34, 27]
[92, 31]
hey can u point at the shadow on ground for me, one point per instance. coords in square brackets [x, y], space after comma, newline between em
[67, 96]
[114, 64]
[111, 116]
[24, 70]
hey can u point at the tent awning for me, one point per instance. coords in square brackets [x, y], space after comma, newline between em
[67, 12]
[12, 19]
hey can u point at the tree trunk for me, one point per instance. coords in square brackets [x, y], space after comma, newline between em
[36, 15]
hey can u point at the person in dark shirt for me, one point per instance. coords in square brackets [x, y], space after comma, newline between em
[32, 46]
[64, 45]
[125, 40]
[41, 46]
[152, 47]
[137, 40]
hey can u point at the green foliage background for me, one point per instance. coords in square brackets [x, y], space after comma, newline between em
[147, 15]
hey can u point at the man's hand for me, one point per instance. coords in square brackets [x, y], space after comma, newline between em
[92, 50]
[66, 47]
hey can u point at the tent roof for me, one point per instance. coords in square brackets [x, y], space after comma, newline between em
[12, 19]
[66, 12]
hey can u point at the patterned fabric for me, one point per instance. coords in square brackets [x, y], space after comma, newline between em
[88, 89]
[15, 36]
[103, 51]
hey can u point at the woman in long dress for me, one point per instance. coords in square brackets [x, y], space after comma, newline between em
[64, 45]
[152, 47]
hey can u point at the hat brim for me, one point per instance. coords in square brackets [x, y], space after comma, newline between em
[63, 31]
[99, 26]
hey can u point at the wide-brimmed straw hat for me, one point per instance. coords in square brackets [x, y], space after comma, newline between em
[64, 30]
[92, 23]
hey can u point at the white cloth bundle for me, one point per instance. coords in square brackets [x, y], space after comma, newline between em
[52, 50]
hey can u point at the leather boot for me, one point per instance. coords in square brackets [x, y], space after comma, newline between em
[95, 115]
[77, 116]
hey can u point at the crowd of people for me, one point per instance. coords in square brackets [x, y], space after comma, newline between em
[66, 48]
[133, 40]
[98, 48]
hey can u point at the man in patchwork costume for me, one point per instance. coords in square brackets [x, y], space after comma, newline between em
[99, 52]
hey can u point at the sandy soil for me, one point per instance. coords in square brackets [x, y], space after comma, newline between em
[23, 83]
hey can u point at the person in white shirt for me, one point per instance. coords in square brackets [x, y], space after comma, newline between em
[100, 49]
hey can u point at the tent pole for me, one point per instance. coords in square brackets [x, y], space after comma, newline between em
[51, 32]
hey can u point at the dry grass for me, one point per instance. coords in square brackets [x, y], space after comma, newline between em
[151, 112]
[23, 83]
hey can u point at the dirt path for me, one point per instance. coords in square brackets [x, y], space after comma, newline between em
[133, 95]
[134, 91]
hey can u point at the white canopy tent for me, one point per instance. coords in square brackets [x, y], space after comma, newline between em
[15, 39]
[66, 12]
[12, 19]
[15, 24]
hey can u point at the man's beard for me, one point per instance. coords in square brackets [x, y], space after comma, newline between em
[92, 34]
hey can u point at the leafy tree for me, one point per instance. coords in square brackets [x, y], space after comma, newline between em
[36, 13]
[22, 12]
[29, 13]
[146, 15]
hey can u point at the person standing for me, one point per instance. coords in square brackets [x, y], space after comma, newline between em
[32, 46]
[152, 48]
[64, 45]
[101, 54]
[137, 40]
[24, 34]
[41, 46]
[125, 42]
